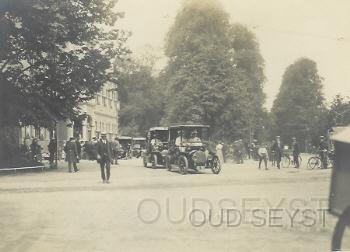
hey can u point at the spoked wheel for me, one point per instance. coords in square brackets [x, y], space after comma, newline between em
[154, 161]
[285, 162]
[216, 166]
[314, 163]
[183, 165]
[341, 234]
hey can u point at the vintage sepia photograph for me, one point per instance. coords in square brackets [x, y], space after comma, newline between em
[174, 125]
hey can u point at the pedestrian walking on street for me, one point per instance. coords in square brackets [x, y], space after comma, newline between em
[262, 152]
[219, 147]
[105, 157]
[296, 152]
[278, 149]
[77, 142]
[71, 151]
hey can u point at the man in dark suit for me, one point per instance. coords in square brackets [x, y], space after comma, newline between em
[296, 152]
[278, 148]
[71, 154]
[105, 157]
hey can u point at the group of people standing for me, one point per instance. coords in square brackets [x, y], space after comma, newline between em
[103, 151]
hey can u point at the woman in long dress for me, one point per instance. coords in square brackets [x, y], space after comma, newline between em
[219, 152]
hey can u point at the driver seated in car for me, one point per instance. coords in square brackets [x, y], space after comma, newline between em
[155, 141]
[195, 140]
[179, 142]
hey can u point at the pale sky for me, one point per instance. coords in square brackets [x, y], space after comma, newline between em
[286, 30]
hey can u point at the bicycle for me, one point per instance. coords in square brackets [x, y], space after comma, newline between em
[315, 162]
[287, 161]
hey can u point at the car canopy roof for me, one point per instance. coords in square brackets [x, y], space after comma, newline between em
[189, 126]
[125, 138]
[139, 138]
[159, 129]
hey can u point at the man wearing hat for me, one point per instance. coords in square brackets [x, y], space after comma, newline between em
[71, 154]
[155, 141]
[105, 157]
[323, 150]
[194, 140]
[277, 148]
[296, 152]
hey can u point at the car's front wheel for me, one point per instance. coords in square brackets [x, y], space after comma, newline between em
[183, 165]
[154, 161]
[216, 165]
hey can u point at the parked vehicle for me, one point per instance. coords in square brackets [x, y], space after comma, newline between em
[125, 147]
[156, 147]
[189, 149]
[138, 146]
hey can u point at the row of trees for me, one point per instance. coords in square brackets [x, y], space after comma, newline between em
[215, 76]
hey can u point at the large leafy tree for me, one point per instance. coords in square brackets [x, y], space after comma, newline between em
[215, 72]
[140, 98]
[54, 54]
[299, 107]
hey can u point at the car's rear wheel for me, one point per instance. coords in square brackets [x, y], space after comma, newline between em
[216, 166]
[183, 165]
[154, 161]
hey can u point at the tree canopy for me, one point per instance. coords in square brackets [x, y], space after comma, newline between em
[215, 71]
[54, 54]
[299, 108]
[140, 98]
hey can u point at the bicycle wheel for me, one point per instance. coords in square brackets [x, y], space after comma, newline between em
[285, 162]
[314, 162]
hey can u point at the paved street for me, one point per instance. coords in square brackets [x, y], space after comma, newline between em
[156, 210]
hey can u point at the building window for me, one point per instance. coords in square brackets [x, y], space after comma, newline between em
[37, 133]
[104, 101]
[97, 99]
[96, 125]
[110, 103]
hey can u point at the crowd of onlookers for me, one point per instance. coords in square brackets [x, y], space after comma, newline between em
[238, 151]
[273, 151]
